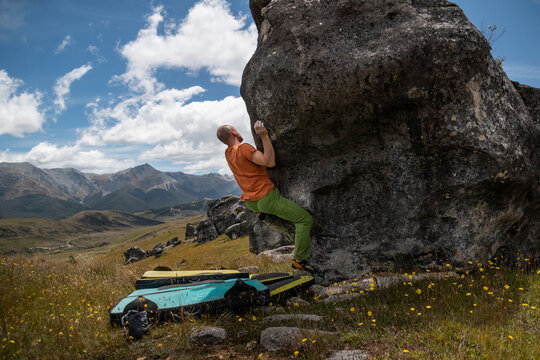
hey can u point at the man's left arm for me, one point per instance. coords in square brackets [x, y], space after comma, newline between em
[267, 157]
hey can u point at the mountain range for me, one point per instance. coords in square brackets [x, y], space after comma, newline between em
[28, 191]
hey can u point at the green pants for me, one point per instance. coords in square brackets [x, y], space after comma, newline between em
[275, 204]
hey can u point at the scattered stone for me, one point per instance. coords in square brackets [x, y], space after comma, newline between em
[349, 355]
[296, 302]
[208, 336]
[279, 255]
[134, 254]
[298, 317]
[278, 338]
[250, 269]
[172, 242]
[156, 250]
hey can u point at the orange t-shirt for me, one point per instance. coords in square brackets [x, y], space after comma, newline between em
[252, 178]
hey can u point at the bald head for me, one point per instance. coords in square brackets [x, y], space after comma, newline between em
[224, 133]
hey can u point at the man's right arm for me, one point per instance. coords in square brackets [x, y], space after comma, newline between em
[267, 157]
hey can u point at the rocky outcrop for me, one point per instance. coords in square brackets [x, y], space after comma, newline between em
[156, 250]
[396, 129]
[531, 99]
[191, 231]
[134, 254]
[230, 216]
[206, 231]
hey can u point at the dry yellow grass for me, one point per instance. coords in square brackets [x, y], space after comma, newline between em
[54, 309]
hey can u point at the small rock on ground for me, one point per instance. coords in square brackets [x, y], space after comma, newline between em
[208, 336]
[277, 338]
[300, 317]
[296, 301]
[349, 355]
[270, 309]
[319, 291]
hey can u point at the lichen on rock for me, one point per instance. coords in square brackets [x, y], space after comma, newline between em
[396, 129]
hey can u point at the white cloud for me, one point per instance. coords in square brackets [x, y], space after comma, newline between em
[94, 50]
[61, 89]
[66, 42]
[47, 155]
[210, 38]
[183, 132]
[180, 129]
[19, 114]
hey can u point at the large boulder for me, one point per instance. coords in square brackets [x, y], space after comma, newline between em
[396, 129]
[230, 216]
[206, 231]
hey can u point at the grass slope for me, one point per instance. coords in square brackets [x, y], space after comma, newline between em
[58, 309]
[85, 229]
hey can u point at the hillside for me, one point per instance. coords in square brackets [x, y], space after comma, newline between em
[27, 191]
[83, 230]
[491, 313]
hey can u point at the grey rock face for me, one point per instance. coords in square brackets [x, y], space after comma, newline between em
[191, 231]
[206, 231]
[134, 254]
[230, 216]
[395, 128]
[531, 99]
[208, 336]
[278, 338]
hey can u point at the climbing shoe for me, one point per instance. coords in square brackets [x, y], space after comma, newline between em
[302, 265]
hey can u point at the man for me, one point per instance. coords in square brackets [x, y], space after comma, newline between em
[248, 166]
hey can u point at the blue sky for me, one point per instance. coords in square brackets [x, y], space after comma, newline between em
[106, 85]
